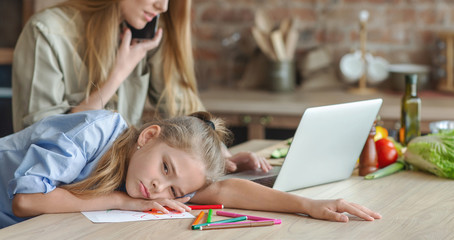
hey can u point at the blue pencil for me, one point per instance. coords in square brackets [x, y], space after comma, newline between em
[238, 219]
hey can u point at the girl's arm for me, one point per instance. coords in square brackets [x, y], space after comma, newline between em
[63, 201]
[244, 194]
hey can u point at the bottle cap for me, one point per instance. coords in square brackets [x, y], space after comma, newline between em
[411, 78]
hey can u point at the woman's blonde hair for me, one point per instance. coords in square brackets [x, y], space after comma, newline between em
[198, 134]
[102, 28]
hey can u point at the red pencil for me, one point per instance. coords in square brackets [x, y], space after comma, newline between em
[200, 207]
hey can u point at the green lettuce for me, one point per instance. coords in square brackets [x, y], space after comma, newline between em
[433, 153]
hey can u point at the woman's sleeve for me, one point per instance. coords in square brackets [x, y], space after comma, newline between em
[37, 81]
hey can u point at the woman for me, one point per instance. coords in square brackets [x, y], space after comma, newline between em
[67, 59]
[76, 57]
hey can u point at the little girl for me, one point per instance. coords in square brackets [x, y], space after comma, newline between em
[93, 161]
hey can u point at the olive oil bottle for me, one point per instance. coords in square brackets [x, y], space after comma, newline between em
[411, 111]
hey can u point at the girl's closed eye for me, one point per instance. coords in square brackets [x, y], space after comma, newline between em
[174, 193]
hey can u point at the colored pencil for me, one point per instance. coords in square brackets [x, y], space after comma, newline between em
[200, 207]
[199, 217]
[238, 219]
[250, 217]
[210, 214]
[232, 223]
[238, 225]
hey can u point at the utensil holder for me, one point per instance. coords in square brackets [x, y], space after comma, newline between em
[282, 76]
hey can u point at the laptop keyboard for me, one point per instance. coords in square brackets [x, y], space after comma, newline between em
[267, 181]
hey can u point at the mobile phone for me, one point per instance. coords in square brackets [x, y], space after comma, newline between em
[147, 32]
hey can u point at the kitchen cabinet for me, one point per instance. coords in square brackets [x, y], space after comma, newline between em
[29, 7]
[258, 111]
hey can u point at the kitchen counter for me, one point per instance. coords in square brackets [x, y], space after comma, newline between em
[258, 110]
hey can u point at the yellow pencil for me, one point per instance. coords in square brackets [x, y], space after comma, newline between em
[198, 218]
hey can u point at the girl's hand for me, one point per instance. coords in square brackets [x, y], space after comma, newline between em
[247, 161]
[333, 210]
[132, 51]
[136, 204]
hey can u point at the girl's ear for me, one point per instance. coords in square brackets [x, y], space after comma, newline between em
[149, 133]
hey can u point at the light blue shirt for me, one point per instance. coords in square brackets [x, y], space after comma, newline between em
[57, 150]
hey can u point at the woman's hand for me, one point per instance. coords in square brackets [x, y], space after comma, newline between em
[333, 210]
[132, 51]
[246, 161]
[136, 204]
[128, 56]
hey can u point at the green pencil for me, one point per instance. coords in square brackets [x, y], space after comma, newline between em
[238, 219]
[210, 213]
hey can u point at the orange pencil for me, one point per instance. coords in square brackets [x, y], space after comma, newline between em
[198, 218]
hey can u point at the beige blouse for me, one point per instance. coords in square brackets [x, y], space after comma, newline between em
[49, 76]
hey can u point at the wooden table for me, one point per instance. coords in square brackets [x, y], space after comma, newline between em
[414, 205]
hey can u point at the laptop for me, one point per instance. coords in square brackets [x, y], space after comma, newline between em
[326, 145]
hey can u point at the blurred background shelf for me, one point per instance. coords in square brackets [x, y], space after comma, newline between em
[6, 56]
[261, 112]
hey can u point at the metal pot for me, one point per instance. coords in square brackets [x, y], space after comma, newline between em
[398, 72]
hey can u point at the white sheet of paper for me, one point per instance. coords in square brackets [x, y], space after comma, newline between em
[109, 216]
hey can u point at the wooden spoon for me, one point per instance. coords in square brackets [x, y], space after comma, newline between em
[263, 22]
[285, 26]
[291, 43]
[278, 45]
[264, 43]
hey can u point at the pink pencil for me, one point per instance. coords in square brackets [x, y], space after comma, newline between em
[249, 217]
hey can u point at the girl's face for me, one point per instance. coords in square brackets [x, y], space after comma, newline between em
[138, 12]
[157, 170]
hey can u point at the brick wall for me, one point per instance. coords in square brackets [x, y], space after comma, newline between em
[401, 31]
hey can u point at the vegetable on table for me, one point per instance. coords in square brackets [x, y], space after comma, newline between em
[433, 153]
[398, 146]
[280, 153]
[380, 132]
[388, 170]
[386, 152]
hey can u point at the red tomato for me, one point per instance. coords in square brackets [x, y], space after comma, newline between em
[386, 152]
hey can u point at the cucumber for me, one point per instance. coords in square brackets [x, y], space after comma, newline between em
[279, 153]
[284, 152]
[276, 154]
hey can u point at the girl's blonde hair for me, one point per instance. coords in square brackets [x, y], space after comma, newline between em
[198, 134]
[102, 28]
